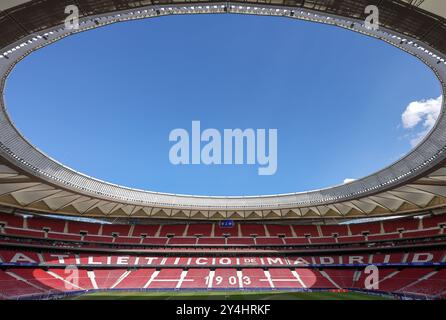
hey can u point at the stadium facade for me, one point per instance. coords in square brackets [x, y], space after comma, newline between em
[273, 242]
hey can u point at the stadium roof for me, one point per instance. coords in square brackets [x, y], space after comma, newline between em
[29, 179]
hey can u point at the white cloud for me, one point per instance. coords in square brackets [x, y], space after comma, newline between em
[348, 180]
[422, 114]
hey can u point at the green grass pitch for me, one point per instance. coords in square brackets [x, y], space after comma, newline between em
[230, 295]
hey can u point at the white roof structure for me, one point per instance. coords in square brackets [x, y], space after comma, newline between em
[31, 180]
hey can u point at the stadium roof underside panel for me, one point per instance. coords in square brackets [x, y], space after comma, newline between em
[31, 180]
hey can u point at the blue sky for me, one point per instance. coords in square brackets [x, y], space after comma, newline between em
[104, 102]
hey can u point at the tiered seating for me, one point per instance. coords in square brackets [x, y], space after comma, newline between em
[312, 278]
[219, 231]
[284, 278]
[343, 278]
[110, 229]
[183, 240]
[11, 220]
[380, 237]
[302, 231]
[434, 221]
[196, 278]
[360, 228]
[211, 241]
[107, 278]
[167, 278]
[63, 259]
[18, 282]
[266, 234]
[252, 229]
[323, 240]
[203, 229]
[240, 241]
[383, 273]
[434, 283]
[63, 236]
[388, 258]
[225, 278]
[155, 241]
[296, 240]
[269, 241]
[24, 233]
[128, 240]
[94, 238]
[76, 227]
[42, 279]
[329, 230]
[391, 226]
[172, 229]
[255, 278]
[12, 287]
[73, 279]
[421, 233]
[351, 239]
[147, 230]
[402, 279]
[39, 223]
[277, 229]
[432, 255]
[134, 279]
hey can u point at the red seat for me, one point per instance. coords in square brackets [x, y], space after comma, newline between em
[24, 233]
[275, 230]
[183, 240]
[39, 223]
[210, 241]
[269, 241]
[351, 239]
[155, 241]
[329, 230]
[77, 227]
[296, 240]
[174, 229]
[196, 279]
[405, 224]
[129, 240]
[252, 229]
[323, 240]
[220, 232]
[240, 241]
[360, 228]
[302, 231]
[391, 236]
[147, 230]
[64, 236]
[11, 220]
[421, 233]
[203, 229]
[94, 238]
[110, 229]
[434, 221]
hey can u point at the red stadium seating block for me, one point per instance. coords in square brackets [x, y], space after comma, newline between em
[10, 220]
[304, 230]
[252, 229]
[172, 229]
[203, 229]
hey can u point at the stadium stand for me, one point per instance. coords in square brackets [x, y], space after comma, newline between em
[302, 231]
[338, 261]
[222, 231]
[252, 230]
[146, 230]
[202, 229]
[172, 229]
